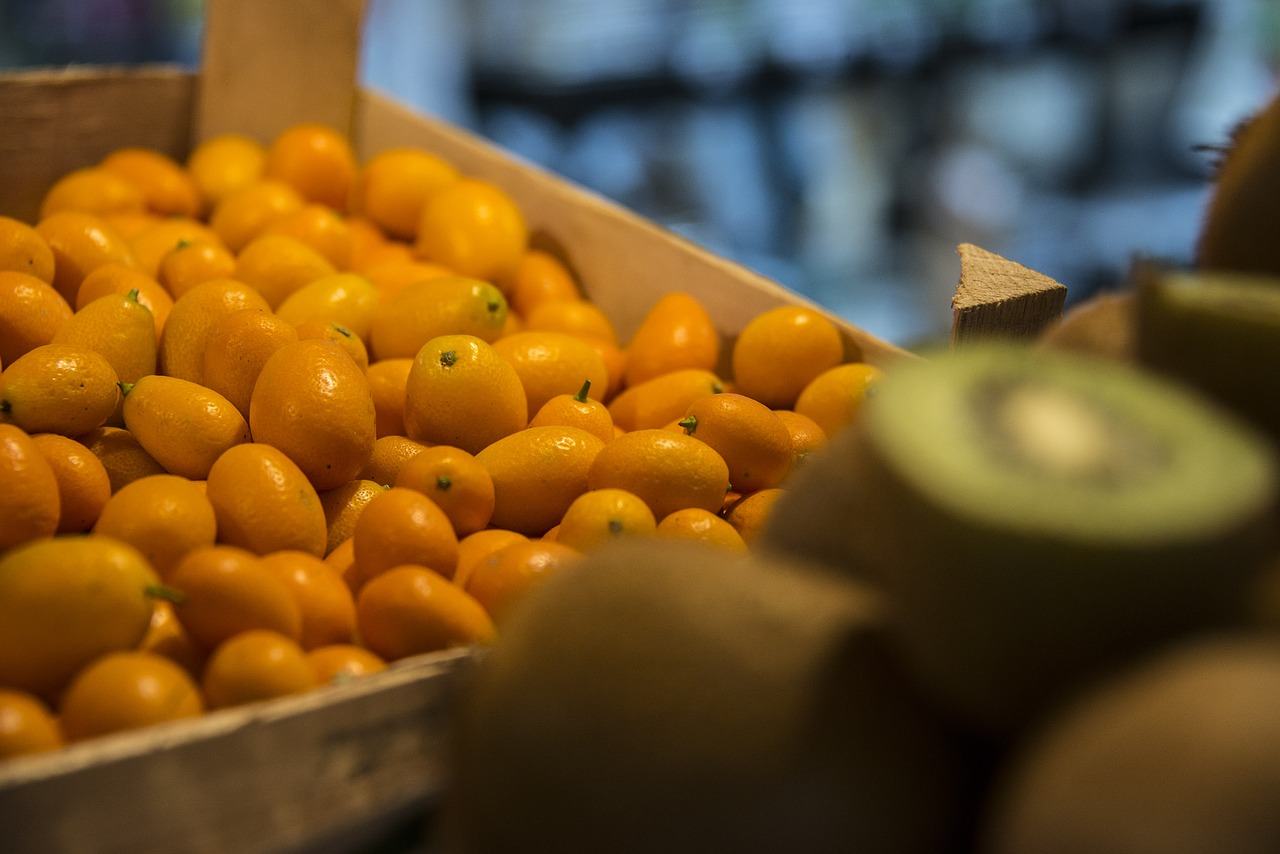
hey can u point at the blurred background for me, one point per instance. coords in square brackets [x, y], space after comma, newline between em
[841, 147]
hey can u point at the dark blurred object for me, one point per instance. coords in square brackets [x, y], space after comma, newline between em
[104, 32]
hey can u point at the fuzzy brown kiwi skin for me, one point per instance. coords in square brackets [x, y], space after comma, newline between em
[665, 697]
[1177, 755]
[1242, 219]
[1102, 325]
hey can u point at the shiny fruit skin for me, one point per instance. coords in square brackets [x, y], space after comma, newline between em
[183, 425]
[537, 473]
[127, 690]
[30, 503]
[410, 610]
[255, 665]
[163, 516]
[669, 470]
[263, 502]
[59, 389]
[751, 439]
[64, 601]
[313, 402]
[460, 392]
[27, 725]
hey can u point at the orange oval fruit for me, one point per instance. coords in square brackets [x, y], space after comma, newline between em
[255, 665]
[121, 329]
[537, 473]
[576, 410]
[675, 334]
[27, 725]
[668, 470]
[81, 242]
[460, 392]
[393, 274]
[127, 690]
[390, 453]
[541, 277]
[83, 484]
[388, 379]
[780, 350]
[153, 241]
[409, 610]
[403, 526]
[509, 574]
[23, 250]
[320, 227]
[192, 262]
[312, 402]
[601, 516]
[93, 190]
[66, 600]
[183, 425]
[474, 548]
[749, 513]
[315, 160]
[751, 439]
[192, 320]
[577, 317]
[167, 187]
[342, 507]
[324, 601]
[454, 305]
[59, 389]
[392, 186]
[834, 397]
[244, 213]
[806, 435]
[277, 265]
[347, 299]
[263, 502]
[337, 664]
[237, 347]
[553, 363]
[224, 163]
[661, 400]
[163, 516]
[30, 505]
[473, 226]
[221, 591]
[697, 523]
[121, 455]
[31, 313]
[455, 481]
[117, 278]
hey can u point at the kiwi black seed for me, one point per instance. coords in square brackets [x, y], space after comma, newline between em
[1035, 518]
[1178, 755]
[1242, 218]
[1218, 333]
[667, 696]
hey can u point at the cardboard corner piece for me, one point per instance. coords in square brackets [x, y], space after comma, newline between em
[999, 298]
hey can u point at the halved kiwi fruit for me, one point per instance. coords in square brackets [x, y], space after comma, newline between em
[1218, 332]
[1034, 518]
[1179, 755]
[666, 696]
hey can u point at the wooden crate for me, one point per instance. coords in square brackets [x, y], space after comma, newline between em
[320, 770]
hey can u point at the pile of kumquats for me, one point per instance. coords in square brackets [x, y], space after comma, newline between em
[274, 417]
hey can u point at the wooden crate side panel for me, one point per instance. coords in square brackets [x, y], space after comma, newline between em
[278, 776]
[56, 121]
[625, 261]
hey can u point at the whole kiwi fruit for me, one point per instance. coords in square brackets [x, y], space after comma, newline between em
[1179, 755]
[668, 696]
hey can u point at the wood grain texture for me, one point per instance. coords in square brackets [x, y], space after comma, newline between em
[999, 298]
[59, 120]
[268, 65]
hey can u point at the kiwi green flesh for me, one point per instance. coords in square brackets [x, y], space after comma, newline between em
[1068, 448]
[1218, 333]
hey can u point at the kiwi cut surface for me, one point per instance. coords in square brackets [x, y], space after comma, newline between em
[671, 697]
[1216, 332]
[1034, 518]
[1178, 755]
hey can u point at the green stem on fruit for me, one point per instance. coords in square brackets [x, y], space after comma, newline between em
[581, 396]
[689, 423]
[443, 482]
[448, 358]
[125, 388]
[162, 591]
[717, 388]
[341, 330]
[132, 296]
